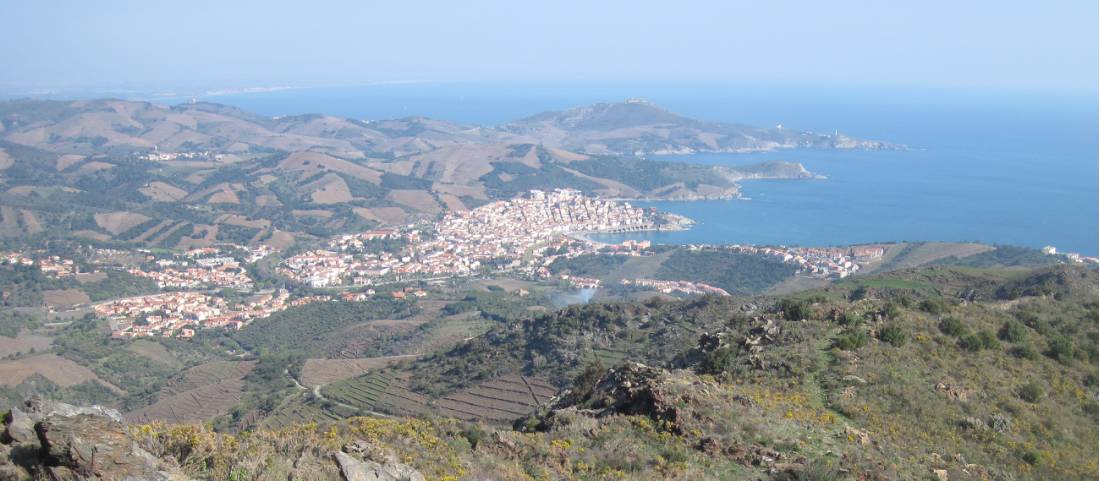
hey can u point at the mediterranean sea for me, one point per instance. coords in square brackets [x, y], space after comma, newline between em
[997, 167]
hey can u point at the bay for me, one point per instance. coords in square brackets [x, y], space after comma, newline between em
[1001, 167]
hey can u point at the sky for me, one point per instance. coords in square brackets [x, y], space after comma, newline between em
[1048, 46]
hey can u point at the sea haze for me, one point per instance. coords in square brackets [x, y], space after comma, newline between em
[1002, 168]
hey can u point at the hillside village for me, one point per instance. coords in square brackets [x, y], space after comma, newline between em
[520, 237]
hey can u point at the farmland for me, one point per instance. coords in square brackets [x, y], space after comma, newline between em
[58, 370]
[318, 372]
[498, 401]
[23, 343]
[375, 391]
[200, 393]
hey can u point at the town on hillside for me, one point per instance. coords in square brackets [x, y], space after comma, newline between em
[215, 286]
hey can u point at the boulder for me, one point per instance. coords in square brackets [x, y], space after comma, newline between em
[365, 470]
[58, 441]
[94, 446]
[39, 408]
[18, 428]
[632, 389]
[11, 472]
[858, 436]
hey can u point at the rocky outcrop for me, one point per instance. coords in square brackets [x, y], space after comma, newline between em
[631, 389]
[363, 462]
[57, 441]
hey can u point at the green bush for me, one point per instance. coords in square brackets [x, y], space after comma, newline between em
[851, 339]
[893, 335]
[794, 310]
[892, 310]
[851, 319]
[970, 342]
[984, 339]
[987, 339]
[718, 360]
[952, 326]
[1060, 349]
[933, 306]
[1030, 392]
[1012, 331]
[474, 435]
[1024, 351]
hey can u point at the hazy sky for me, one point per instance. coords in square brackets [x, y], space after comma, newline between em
[1034, 45]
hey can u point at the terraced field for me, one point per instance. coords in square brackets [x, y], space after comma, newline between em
[499, 401]
[318, 372]
[201, 393]
[298, 413]
[206, 374]
[380, 392]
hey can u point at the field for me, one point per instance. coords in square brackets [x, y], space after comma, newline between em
[201, 393]
[119, 222]
[377, 392]
[58, 370]
[163, 192]
[18, 222]
[154, 351]
[499, 401]
[418, 200]
[68, 160]
[912, 255]
[385, 215]
[311, 163]
[23, 343]
[318, 372]
[295, 412]
[331, 189]
[65, 297]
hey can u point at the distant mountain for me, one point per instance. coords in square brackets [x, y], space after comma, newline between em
[194, 174]
[99, 126]
[640, 127]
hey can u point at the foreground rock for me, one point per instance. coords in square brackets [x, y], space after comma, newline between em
[630, 389]
[366, 470]
[58, 441]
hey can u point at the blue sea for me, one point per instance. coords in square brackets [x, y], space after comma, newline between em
[998, 167]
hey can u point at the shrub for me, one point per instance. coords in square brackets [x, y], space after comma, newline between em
[1030, 392]
[891, 310]
[851, 319]
[1060, 349]
[1012, 331]
[859, 293]
[952, 326]
[794, 310]
[984, 339]
[893, 335]
[586, 380]
[474, 435]
[850, 340]
[1024, 351]
[970, 342]
[933, 306]
[987, 339]
[717, 361]
[1030, 457]
[816, 470]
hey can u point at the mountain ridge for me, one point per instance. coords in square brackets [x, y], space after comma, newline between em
[218, 173]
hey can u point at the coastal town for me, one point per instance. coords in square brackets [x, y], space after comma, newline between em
[518, 235]
[521, 237]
